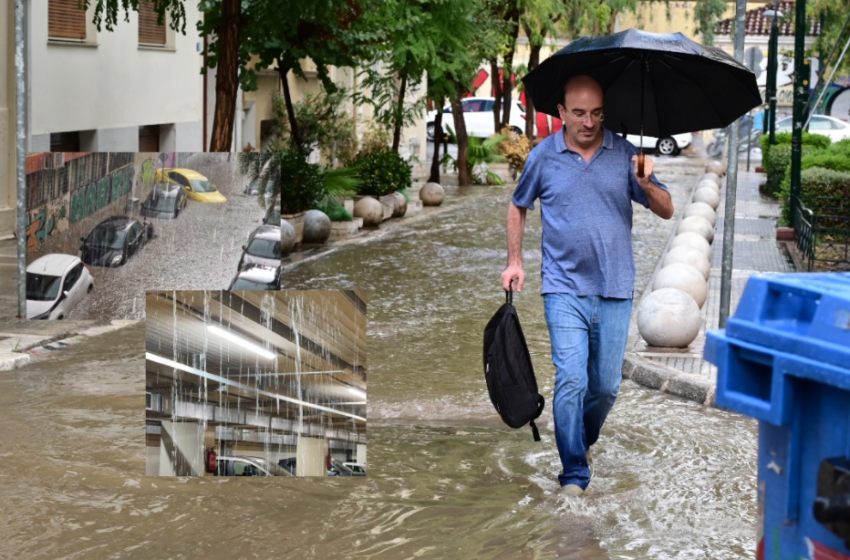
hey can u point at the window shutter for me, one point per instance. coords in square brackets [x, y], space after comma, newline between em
[150, 33]
[66, 20]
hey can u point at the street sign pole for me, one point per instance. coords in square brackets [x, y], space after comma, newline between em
[21, 156]
[731, 181]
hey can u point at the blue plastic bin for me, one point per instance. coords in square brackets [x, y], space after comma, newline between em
[784, 359]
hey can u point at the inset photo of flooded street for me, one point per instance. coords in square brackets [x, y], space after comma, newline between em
[255, 383]
[102, 228]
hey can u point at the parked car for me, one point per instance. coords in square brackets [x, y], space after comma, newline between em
[114, 241]
[237, 465]
[256, 277]
[831, 127]
[55, 284]
[667, 146]
[165, 201]
[358, 468]
[339, 469]
[263, 247]
[478, 117]
[197, 186]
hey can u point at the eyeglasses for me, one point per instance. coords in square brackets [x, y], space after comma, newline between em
[580, 116]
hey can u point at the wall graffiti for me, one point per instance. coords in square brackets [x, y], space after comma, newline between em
[95, 196]
[41, 225]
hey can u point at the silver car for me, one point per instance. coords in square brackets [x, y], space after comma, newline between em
[263, 247]
[237, 465]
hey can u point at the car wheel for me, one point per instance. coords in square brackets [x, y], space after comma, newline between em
[517, 130]
[429, 131]
[666, 146]
[60, 317]
[91, 288]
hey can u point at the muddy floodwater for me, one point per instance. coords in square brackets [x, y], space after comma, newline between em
[447, 480]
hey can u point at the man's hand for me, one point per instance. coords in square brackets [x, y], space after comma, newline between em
[660, 202]
[511, 272]
[648, 166]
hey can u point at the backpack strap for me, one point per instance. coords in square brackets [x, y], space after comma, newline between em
[509, 294]
[534, 431]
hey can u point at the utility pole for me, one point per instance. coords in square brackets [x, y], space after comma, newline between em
[801, 94]
[731, 181]
[21, 154]
[772, 65]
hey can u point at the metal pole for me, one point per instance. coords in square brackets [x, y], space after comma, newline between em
[731, 182]
[749, 138]
[21, 157]
[772, 65]
[801, 67]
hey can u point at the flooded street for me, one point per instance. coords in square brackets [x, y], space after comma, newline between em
[447, 479]
[200, 249]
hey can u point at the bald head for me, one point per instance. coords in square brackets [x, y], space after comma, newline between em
[581, 85]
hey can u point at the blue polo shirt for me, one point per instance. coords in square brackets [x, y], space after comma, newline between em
[586, 208]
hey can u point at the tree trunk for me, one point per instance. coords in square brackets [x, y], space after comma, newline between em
[507, 90]
[497, 93]
[612, 22]
[533, 62]
[463, 176]
[399, 113]
[227, 77]
[434, 177]
[290, 110]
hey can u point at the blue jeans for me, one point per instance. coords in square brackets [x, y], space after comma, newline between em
[588, 336]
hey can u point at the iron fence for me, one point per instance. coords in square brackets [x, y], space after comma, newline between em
[822, 226]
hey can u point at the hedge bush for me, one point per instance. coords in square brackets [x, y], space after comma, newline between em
[336, 212]
[382, 172]
[775, 166]
[818, 182]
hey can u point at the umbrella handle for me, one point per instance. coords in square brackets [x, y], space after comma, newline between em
[640, 173]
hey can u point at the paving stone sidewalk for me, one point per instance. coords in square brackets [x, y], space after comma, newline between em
[684, 372]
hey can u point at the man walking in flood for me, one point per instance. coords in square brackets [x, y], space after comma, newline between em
[586, 179]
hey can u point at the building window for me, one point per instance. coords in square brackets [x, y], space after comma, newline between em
[66, 20]
[149, 138]
[65, 142]
[150, 32]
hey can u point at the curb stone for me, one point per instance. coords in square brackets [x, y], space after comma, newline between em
[668, 380]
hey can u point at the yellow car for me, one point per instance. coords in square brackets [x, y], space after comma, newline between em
[197, 186]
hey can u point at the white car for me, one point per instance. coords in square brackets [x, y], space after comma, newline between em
[834, 129]
[55, 284]
[667, 146]
[478, 117]
[356, 467]
[246, 466]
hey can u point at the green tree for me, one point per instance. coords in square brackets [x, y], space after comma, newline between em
[706, 15]
[833, 15]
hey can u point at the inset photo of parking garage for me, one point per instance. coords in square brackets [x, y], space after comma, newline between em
[255, 383]
[102, 228]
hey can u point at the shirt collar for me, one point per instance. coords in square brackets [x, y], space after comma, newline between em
[607, 140]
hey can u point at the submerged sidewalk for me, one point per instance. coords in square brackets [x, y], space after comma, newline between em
[684, 372]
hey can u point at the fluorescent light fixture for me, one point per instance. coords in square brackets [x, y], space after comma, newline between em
[244, 343]
[357, 392]
[223, 380]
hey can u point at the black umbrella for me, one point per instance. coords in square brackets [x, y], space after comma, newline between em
[659, 84]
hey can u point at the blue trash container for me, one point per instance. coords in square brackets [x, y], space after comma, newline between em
[784, 359]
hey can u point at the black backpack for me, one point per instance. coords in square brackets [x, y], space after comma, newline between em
[508, 370]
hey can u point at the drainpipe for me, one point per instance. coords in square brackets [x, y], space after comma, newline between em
[21, 157]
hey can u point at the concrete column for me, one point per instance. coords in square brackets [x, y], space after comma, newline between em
[361, 453]
[181, 449]
[8, 183]
[152, 459]
[311, 456]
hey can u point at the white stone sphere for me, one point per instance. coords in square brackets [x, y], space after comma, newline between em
[317, 227]
[707, 195]
[698, 225]
[432, 194]
[701, 209]
[714, 166]
[399, 205]
[287, 238]
[711, 177]
[370, 210]
[710, 184]
[668, 318]
[682, 277]
[693, 240]
[688, 255]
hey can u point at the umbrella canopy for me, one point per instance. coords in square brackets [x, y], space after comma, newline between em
[664, 81]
